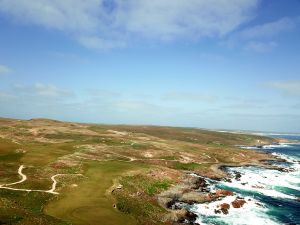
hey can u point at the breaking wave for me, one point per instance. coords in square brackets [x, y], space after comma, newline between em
[271, 196]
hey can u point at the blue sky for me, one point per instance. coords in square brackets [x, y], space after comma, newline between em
[229, 64]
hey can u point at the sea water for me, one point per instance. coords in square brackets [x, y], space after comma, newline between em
[272, 196]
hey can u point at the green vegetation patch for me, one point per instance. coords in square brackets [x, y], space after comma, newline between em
[71, 136]
[157, 187]
[11, 157]
[142, 183]
[185, 166]
[7, 147]
[169, 157]
[25, 208]
[137, 198]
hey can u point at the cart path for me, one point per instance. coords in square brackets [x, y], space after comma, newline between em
[24, 178]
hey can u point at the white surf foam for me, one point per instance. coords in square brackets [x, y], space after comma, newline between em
[252, 212]
[268, 147]
[253, 179]
[293, 160]
[263, 181]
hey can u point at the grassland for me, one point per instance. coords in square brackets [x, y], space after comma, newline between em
[122, 169]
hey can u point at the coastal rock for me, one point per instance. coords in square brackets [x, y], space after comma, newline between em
[222, 193]
[192, 190]
[165, 202]
[182, 216]
[194, 197]
[217, 211]
[238, 203]
[286, 170]
[237, 176]
[168, 198]
[196, 183]
[227, 180]
[224, 207]
[176, 215]
[257, 203]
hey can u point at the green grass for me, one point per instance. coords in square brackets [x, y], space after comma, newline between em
[23, 127]
[89, 203]
[136, 198]
[71, 136]
[11, 157]
[7, 147]
[185, 166]
[145, 212]
[169, 157]
[44, 154]
[25, 208]
[157, 187]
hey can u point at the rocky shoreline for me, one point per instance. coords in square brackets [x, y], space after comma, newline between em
[196, 189]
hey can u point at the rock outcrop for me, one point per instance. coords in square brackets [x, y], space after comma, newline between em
[238, 203]
[181, 216]
[223, 193]
[224, 208]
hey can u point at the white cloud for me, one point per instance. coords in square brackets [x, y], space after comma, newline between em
[262, 38]
[188, 96]
[6, 96]
[112, 23]
[134, 106]
[291, 88]
[104, 94]
[95, 42]
[268, 30]
[39, 90]
[68, 15]
[172, 18]
[5, 70]
[50, 91]
[260, 46]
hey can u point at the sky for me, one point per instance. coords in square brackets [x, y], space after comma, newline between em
[218, 64]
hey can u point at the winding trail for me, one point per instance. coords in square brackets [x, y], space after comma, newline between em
[24, 178]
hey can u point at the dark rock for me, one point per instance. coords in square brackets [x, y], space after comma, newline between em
[228, 180]
[166, 202]
[194, 197]
[224, 208]
[237, 175]
[191, 217]
[182, 216]
[222, 193]
[217, 211]
[286, 170]
[259, 204]
[238, 203]
[196, 183]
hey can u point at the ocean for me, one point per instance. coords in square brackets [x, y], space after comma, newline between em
[272, 197]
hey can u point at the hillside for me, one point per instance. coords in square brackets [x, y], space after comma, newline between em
[85, 173]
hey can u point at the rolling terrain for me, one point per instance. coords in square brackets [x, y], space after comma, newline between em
[54, 172]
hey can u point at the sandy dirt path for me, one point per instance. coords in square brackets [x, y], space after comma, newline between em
[24, 178]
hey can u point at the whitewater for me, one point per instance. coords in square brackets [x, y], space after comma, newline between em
[271, 196]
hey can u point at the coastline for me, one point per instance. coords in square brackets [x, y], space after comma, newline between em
[173, 166]
[225, 200]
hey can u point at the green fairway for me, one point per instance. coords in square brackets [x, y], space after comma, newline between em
[88, 203]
